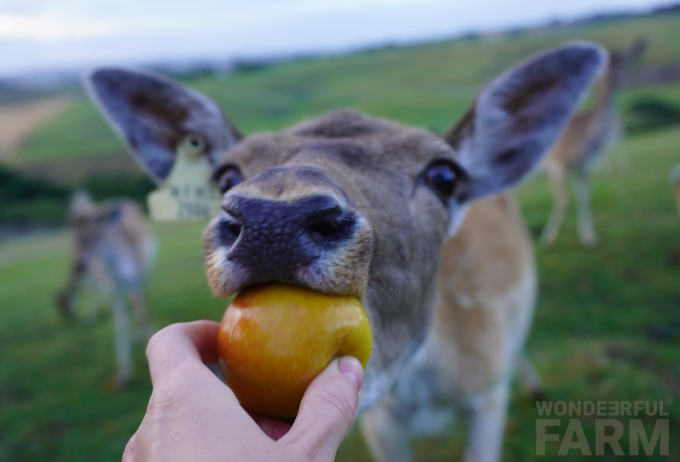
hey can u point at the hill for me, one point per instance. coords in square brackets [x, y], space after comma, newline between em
[426, 84]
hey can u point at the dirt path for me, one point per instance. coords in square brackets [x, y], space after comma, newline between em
[18, 120]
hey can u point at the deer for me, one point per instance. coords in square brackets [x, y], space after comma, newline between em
[587, 136]
[115, 247]
[418, 226]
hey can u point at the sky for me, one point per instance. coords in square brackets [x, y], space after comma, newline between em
[41, 35]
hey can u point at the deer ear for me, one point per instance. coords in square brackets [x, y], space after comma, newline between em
[153, 115]
[520, 114]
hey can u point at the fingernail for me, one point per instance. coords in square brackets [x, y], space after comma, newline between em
[351, 367]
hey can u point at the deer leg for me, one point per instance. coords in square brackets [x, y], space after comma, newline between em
[621, 154]
[140, 312]
[558, 181]
[486, 422]
[67, 294]
[385, 436]
[101, 290]
[528, 378]
[586, 230]
[122, 339]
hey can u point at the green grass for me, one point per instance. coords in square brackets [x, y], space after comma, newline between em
[607, 324]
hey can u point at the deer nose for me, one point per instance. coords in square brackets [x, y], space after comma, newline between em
[276, 237]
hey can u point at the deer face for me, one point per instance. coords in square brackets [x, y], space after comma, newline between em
[347, 203]
[621, 60]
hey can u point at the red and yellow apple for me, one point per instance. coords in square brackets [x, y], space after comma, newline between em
[275, 338]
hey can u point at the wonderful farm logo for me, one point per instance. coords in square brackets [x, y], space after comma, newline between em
[596, 428]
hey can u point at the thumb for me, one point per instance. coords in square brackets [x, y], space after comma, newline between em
[327, 410]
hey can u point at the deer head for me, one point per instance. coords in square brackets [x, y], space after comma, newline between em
[621, 60]
[348, 203]
[89, 222]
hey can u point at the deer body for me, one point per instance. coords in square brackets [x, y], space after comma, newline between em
[355, 205]
[112, 243]
[588, 133]
[586, 137]
[487, 288]
[675, 180]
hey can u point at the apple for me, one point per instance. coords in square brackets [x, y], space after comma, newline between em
[275, 338]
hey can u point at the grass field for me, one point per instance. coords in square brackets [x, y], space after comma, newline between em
[607, 325]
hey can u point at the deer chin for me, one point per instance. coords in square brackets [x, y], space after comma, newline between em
[380, 374]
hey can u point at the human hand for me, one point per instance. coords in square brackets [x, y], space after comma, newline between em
[192, 415]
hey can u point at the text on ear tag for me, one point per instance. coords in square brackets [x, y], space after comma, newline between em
[187, 193]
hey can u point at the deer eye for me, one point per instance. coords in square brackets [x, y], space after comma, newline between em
[445, 178]
[227, 177]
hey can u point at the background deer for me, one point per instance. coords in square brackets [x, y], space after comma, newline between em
[114, 245]
[675, 180]
[586, 137]
[352, 204]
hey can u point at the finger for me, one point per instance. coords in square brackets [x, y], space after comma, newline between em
[172, 346]
[273, 428]
[327, 409]
[182, 382]
[130, 448]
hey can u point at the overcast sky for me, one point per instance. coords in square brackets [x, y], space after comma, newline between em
[46, 34]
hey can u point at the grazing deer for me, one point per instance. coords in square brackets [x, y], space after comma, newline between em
[352, 204]
[113, 244]
[675, 179]
[585, 138]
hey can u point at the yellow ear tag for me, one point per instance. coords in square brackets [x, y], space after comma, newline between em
[187, 193]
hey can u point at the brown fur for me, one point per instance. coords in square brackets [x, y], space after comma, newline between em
[570, 148]
[480, 268]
